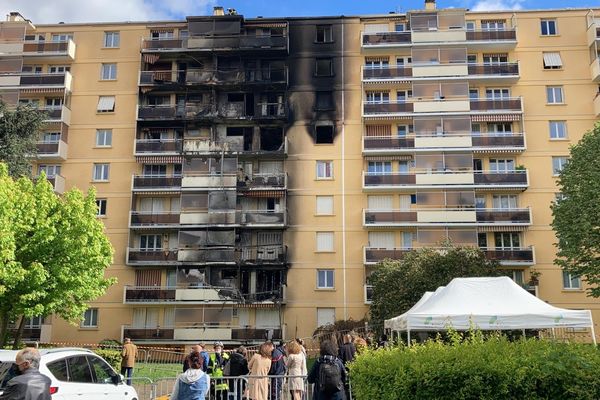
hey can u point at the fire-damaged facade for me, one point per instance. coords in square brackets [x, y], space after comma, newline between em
[209, 210]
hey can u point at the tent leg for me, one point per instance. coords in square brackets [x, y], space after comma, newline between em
[592, 327]
[553, 334]
[523, 332]
[408, 332]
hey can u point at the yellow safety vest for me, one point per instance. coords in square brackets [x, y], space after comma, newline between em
[217, 371]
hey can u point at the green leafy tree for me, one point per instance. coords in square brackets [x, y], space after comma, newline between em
[19, 131]
[53, 252]
[399, 284]
[576, 216]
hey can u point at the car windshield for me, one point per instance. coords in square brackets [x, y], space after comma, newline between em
[8, 370]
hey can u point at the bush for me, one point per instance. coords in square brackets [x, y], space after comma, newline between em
[113, 357]
[478, 369]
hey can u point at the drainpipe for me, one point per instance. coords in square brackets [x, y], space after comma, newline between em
[344, 179]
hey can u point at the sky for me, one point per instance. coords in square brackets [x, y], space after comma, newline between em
[44, 11]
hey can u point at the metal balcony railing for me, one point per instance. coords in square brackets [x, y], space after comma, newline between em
[505, 255]
[492, 35]
[385, 38]
[388, 107]
[47, 47]
[511, 104]
[153, 218]
[448, 216]
[156, 182]
[215, 42]
[172, 112]
[214, 76]
[151, 256]
[379, 144]
[158, 146]
[438, 178]
[198, 293]
[495, 69]
[165, 334]
[275, 254]
[262, 181]
[386, 72]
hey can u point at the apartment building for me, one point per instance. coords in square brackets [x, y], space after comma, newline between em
[252, 172]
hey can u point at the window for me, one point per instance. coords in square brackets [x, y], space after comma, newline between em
[150, 242]
[155, 170]
[403, 95]
[103, 138]
[400, 27]
[90, 318]
[495, 58]
[157, 35]
[492, 25]
[324, 34]
[504, 201]
[571, 281]
[109, 72]
[235, 97]
[325, 241]
[507, 240]
[324, 205]
[472, 58]
[59, 369]
[473, 94]
[54, 103]
[517, 276]
[380, 167]
[61, 37]
[325, 279]
[497, 93]
[51, 137]
[79, 370]
[404, 167]
[500, 127]
[497, 165]
[324, 101]
[58, 69]
[377, 62]
[470, 25]
[112, 39]
[378, 97]
[479, 201]
[50, 170]
[552, 61]
[554, 94]
[403, 60]
[101, 172]
[558, 129]
[32, 69]
[325, 316]
[548, 27]
[106, 104]
[324, 67]
[324, 169]
[324, 134]
[558, 163]
[103, 373]
[101, 204]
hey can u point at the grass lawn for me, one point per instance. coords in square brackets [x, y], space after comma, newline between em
[156, 371]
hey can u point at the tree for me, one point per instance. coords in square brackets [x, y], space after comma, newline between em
[576, 214]
[399, 284]
[53, 252]
[19, 132]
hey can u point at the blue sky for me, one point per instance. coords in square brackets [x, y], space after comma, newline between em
[44, 11]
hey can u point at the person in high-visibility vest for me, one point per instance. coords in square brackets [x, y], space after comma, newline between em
[216, 363]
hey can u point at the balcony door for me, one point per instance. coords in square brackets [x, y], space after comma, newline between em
[269, 245]
[507, 240]
[148, 277]
[152, 205]
[382, 240]
[145, 318]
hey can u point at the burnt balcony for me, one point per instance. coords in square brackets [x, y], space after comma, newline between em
[152, 183]
[468, 179]
[262, 255]
[388, 107]
[145, 147]
[386, 39]
[172, 112]
[244, 255]
[148, 294]
[156, 334]
[64, 50]
[465, 216]
[262, 181]
[518, 256]
[234, 145]
[52, 150]
[221, 77]
[210, 43]
[442, 141]
[386, 73]
[271, 111]
[207, 255]
[241, 218]
[153, 219]
[509, 104]
[250, 334]
[137, 256]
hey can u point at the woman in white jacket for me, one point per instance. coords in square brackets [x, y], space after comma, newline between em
[193, 384]
[296, 365]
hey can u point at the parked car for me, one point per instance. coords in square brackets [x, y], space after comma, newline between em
[75, 374]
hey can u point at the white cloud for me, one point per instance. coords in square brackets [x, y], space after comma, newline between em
[51, 12]
[494, 5]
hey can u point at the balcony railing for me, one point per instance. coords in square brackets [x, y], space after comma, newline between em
[262, 181]
[232, 145]
[271, 111]
[151, 256]
[461, 179]
[510, 104]
[220, 42]
[504, 255]
[249, 218]
[207, 331]
[172, 112]
[57, 182]
[158, 146]
[385, 39]
[154, 183]
[386, 72]
[214, 76]
[395, 72]
[152, 219]
[485, 35]
[263, 254]
[61, 79]
[50, 48]
[198, 293]
[52, 150]
[495, 69]
[465, 216]
[389, 107]
[57, 114]
[244, 255]
[449, 141]
[148, 294]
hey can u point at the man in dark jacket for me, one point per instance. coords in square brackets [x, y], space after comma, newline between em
[347, 350]
[30, 384]
[238, 365]
[277, 368]
[327, 356]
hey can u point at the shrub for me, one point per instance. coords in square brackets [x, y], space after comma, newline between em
[478, 369]
[113, 357]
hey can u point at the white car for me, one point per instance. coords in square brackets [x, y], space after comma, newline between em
[75, 374]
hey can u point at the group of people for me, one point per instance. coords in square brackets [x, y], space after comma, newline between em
[265, 372]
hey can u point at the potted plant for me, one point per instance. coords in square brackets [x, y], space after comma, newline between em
[534, 277]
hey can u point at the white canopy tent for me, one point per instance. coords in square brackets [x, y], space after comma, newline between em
[486, 304]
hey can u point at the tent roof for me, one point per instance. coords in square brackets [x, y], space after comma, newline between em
[488, 304]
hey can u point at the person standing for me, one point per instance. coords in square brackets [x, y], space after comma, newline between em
[30, 384]
[205, 356]
[259, 365]
[328, 374]
[216, 363]
[346, 354]
[128, 356]
[296, 366]
[186, 362]
[238, 366]
[277, 370]
[192, 384]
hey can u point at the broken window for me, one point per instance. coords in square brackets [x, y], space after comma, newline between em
[324, 134]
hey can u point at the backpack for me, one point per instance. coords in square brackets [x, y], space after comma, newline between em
[330, 376]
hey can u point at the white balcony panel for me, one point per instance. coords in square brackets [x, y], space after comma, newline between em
[71, 49]
[446, 216]
[203, 218]
[439, 36]
[439, 70]
[595, 70]
[441, 106]
[215, 181]
[10, 80]
[11, 49]
[445, 179]
[443, 142]
[201, 334]
[197, 294]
